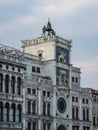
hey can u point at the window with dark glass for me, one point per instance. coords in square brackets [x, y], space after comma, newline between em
[44, 109]
[44, 126]
[1, 111]
[29, 125]
[72, 99]
[76, 99]
[34, 91]
[28, 90]
[13, 84]
[76, 80]
[38, 70]
[0, 66]
[48, 94]
[48, 126]
[34, 125]
[86, 101]
[29, 107]
[33, 68]
[7, 111]
[19, 108]
[7, 83]
[44, 93]
[34, 107]
[94, 121]
[83, 100]
[48, 109]
[72, 79]
[1, 82]
[13, 107]
[19, 86]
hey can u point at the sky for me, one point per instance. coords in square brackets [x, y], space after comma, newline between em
[71, 19]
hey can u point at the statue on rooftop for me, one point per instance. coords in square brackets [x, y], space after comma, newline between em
[48, 29]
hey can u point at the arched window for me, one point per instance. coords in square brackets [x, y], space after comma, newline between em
[7, 83]
[13, 107]
[1, 111]
[29, 126]
[19, 86]
[29, 107]
[48, 109]
[1, 83]
[44, 109]
[13, 84]
[34, 108]
[19, 112]
[7, 111]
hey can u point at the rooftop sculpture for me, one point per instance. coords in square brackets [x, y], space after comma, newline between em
[48, 29]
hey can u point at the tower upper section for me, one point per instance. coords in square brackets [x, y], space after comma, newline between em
[49, 46]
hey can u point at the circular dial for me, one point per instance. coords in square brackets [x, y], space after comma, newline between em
[61, 105]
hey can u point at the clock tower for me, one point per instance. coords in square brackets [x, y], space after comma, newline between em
[55, 52]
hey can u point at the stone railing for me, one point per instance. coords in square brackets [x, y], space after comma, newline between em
[39, 80]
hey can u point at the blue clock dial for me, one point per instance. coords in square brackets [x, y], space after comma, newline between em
[61, 105]
[62, 54]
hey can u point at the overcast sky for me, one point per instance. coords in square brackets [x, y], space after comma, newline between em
[71, 19]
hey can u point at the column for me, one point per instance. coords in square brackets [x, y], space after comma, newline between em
[39, 125]
[39, 102]
[54, 103]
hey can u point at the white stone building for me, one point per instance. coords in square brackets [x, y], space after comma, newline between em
[51, 96]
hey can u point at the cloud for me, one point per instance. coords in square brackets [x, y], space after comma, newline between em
[8, 2]
[16, 24]
[65, 7]
[89, 67]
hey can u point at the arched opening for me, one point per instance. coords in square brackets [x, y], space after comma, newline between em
[19, 112]
[7, 105]
[1, 111]
[13, 107]
[7, 83]
[44, 109]
[19, 86]
[34, 108]
[29, 107]
[48, 109]
[61, 127]
[13, 84]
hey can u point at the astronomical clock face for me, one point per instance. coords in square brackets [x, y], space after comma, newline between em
[61, 105]
[62, 54]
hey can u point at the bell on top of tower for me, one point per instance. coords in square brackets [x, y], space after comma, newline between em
[48, 29]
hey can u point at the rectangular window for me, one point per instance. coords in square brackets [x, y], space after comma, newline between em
[72, 99]
[72, 79]
[83, 100]
[44, 93]
[48, 94]
[34, 91]
[28, 90]
[86, 101]
[76, 99]
[76, 80]
[38, 70]
[33, 68]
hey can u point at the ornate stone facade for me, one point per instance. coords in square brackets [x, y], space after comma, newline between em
[40, 89]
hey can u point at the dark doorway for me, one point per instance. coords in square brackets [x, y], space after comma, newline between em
[61, 127]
